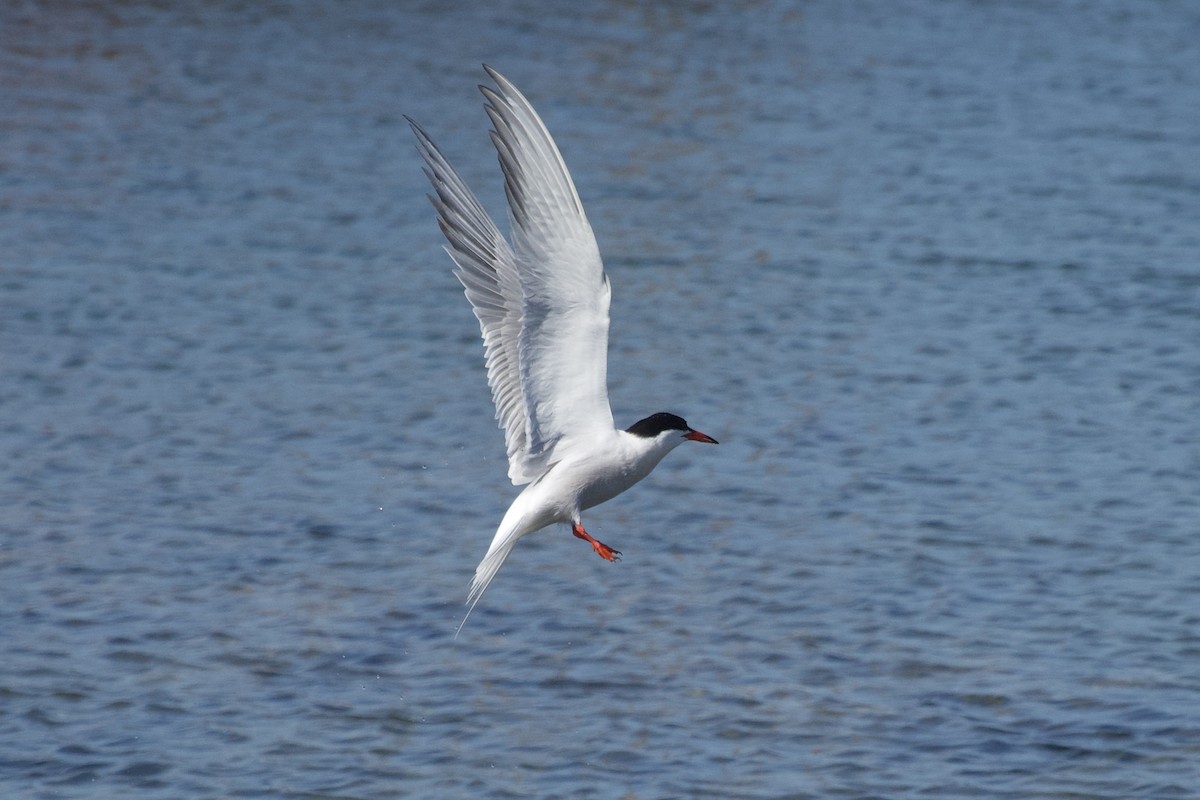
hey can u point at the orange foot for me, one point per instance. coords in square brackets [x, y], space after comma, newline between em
[602, 550]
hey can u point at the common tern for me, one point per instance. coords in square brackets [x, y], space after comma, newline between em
[542, 303]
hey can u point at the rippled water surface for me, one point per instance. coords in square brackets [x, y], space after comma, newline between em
[928, 270]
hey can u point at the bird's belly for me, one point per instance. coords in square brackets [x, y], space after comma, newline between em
[604, 489]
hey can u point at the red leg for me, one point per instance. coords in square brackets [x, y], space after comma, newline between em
[602, 550]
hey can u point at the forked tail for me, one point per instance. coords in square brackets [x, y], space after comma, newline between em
[501, 546]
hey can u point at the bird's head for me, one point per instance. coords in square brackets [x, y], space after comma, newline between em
[667, 428]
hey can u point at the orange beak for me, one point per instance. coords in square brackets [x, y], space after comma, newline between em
[697, 436]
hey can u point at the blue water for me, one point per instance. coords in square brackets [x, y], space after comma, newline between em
[928, 270]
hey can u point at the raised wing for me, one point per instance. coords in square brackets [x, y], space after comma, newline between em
[564, 332]
[542, 304]
[486, 267]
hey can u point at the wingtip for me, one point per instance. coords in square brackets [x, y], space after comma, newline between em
[491, 73]
[423, 140]
[506, 87]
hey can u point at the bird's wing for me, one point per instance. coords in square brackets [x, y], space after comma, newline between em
[563, 351]
[542, 304]
[486, 267]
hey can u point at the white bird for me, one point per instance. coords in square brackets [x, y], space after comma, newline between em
[542, 305]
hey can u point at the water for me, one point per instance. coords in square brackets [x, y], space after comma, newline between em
[927, 270]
